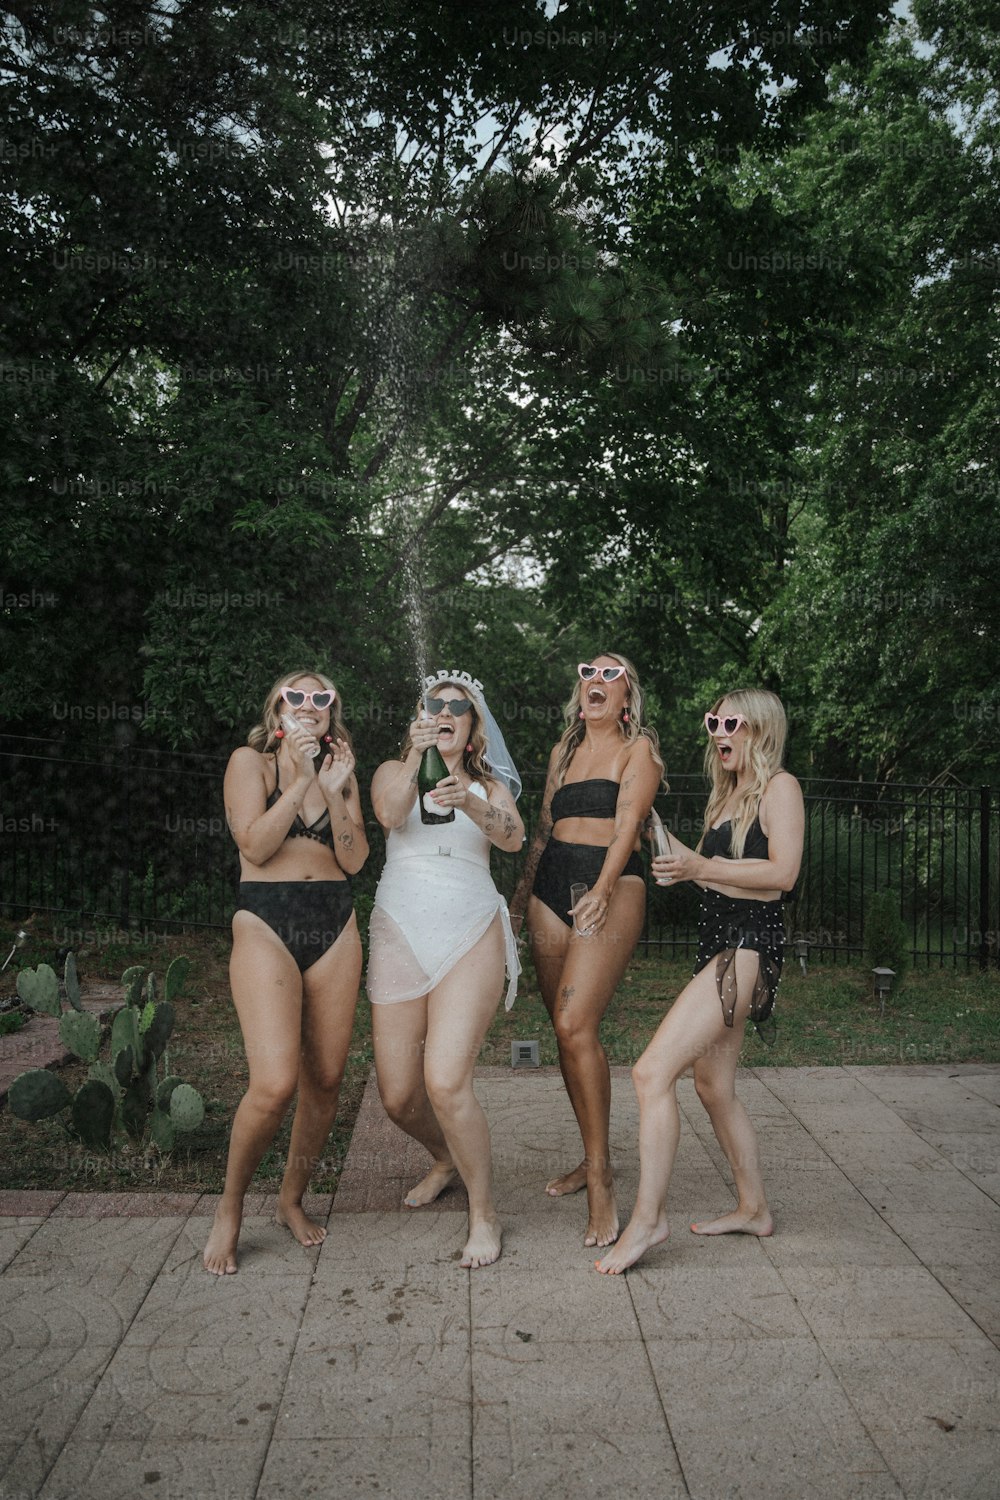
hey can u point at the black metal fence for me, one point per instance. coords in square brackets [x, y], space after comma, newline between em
[135, 838]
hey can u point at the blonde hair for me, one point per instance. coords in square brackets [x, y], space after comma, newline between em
[634, 730]
[766, 727]
[473, 761]
[263, 736]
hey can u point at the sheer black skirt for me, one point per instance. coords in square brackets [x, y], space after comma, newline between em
[728, 923]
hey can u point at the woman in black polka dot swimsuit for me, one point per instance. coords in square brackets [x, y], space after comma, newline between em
[749, 854]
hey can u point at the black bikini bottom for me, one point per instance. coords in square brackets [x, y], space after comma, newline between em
[307, 915]
[728, 923]
[563, 865]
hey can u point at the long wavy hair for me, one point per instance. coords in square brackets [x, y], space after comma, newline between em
[473, 761]
[263, 736]
[766, 728]
[635, 729]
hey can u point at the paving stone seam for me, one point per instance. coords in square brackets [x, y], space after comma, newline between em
[288, 1370]
[954, 1165]
[112, 1356]
[659, 1393]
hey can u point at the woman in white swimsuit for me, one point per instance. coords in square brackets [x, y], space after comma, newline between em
[440, 939]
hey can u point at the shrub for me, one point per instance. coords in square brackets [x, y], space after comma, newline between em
[887, 942]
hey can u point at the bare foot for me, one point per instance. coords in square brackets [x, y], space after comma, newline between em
[571, 1182]
[305, 1230]
[637, 1239]
[431, 1186]
[219, 1256]
[483, 1246]
[738, 1222]
[602, 1223]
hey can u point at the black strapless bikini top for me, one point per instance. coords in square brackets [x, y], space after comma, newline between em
[321, 830]
[585, 799]
[719, 841]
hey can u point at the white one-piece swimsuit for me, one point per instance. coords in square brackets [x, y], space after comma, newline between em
[434, 901]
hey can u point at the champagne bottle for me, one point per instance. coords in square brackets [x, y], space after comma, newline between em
[432, 770]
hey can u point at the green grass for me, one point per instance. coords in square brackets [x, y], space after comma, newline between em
[826, 1018]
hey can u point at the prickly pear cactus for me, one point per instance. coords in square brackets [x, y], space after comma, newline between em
[81, 1033]
[176, 976]
[104, 1073]
[165, 1089]
[161, 1130]
[37, 1094]
[158, 1033]
[125, 1031]
[93, 1113]
[123, 1065]
[187, 1109]
[132, 980]
[39, 988]
[135, 1108]
[71, 982]
[151, 990]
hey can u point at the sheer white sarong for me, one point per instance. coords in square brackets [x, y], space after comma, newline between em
[434, 901]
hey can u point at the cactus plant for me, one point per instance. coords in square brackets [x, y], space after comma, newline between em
[161, 1130]
[93, 1113]
[37, 1094]
[132, 980]
[159, 1031]
[39, 989]
[126, 1092]
[81, 1033]
[125, 1031]
[71, 982]
[176, 977]
[187, 1109]
[165, 1089]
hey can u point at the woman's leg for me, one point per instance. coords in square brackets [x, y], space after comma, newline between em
[459, 1012]
[267, 993]
[398, 1033]
[590, 975]
[329, 998]
[715, 1081]
[692, 1030]
[550, 941]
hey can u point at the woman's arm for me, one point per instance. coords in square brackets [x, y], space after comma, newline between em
[260, 830]
[495, 814]
[543, 829]
[640, 779]
[344, 806]
[784, 810]
[394, 785]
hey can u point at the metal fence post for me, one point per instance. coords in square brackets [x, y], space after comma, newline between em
[984, 877]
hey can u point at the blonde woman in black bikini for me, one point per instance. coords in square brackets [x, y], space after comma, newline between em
[749, 854]
[296, 961]
[602, 778]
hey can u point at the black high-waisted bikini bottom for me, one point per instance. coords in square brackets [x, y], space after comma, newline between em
[307, 915]
[728, 923]
[563, 865]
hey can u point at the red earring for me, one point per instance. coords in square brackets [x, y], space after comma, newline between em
[279, 734]
[625, 717]
[468, 748]
[328, 739]
[580, 714]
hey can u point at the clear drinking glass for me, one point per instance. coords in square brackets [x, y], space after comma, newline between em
[660, 841]
[576, 894]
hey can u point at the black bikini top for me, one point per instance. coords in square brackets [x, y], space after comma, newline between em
[321, 830]
[585, 799]
[719, 841]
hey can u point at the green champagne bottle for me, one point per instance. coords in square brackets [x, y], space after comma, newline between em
[432, 770]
